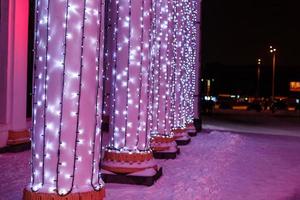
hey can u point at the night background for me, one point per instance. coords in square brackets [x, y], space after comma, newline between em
[236, 33]
[238, 142]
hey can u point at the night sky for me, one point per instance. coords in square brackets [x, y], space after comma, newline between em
[236, 33]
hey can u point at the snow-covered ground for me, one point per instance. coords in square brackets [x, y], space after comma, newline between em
[215, 166]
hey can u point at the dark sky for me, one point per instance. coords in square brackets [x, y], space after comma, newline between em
[236, 32]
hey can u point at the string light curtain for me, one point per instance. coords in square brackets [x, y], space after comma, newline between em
[161, 78]
[67, 100]
[197, 51]
[192, 63]
[129, 148]
[178, 62]
[189, 62]
[179, 80]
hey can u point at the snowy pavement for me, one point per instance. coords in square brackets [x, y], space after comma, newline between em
[279, 123]
[215, 166]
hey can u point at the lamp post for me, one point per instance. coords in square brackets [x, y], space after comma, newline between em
[273, 51]
[258, 77]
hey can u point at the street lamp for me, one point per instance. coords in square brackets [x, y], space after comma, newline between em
[273, 52]
[258, 77]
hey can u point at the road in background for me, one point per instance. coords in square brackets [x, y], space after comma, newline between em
[280, 123]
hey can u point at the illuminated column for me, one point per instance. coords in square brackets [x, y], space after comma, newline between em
[179, 111]
[189, 58]
[197, 117]
[154, 72]
[162, 142]
[129, 149]
[66, 140]
[190, 55]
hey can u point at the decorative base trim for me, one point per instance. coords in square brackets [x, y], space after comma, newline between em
[128, 162]
[129, 179]
[193, 134]
[126, 170]
[158, 148]
[166, 155]
[16, 148]
[18, 137]
[130, 157]
[183, 142]
[93, 195]
[178, 131]
[198, 124]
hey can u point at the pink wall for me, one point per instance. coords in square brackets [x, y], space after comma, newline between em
[13, 76]
[17, 64]
[3, 59]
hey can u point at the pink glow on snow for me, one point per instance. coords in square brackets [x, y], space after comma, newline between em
[216, 166]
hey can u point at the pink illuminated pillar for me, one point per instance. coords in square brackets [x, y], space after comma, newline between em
[190, 10]
[197, 51]
[4, 5]
[179, 111]
[18, 65]
[129, 149]
[189, 58]
[198, 59]
[67, 103]
[162, 137]
[179, 57]
[13, 78]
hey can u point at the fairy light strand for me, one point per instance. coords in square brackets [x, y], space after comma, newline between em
[140, 74]
[62, 98]
[127, 70]
[45, 92]
[34, 103]
[98, 121]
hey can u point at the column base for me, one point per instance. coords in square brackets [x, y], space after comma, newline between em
[183, 142]
[181, 136]
[193, 133]
[191, 130]
[18, 137]
[198, 124]
[17, 141]
[166, 155]
[146, 179]
[16, 148]
[93, 195]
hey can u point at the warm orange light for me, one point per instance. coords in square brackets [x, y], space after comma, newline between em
[295, 86]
